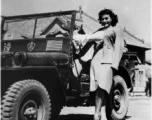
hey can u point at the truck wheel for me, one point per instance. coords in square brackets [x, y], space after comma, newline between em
[26, 100]
[118, 99]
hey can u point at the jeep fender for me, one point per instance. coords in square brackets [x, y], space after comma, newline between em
[48, 76]
[123, 72]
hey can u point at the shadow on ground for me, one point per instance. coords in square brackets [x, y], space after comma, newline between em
[127, 117]
[75, 117]
[80, 117]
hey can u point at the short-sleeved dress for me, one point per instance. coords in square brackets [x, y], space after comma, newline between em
[100, 74]
[111, 44]
[107, 54]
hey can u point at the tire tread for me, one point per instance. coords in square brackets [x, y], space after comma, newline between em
[8, 100]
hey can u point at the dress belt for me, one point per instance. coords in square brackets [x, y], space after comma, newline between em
[106, 63]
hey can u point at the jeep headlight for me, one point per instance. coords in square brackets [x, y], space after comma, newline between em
[19, 58]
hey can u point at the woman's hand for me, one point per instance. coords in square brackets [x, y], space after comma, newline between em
[77, 46]
[79, 37]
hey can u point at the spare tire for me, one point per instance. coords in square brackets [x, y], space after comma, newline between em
[26, 100]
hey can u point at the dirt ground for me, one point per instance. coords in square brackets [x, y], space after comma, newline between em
[139, 109]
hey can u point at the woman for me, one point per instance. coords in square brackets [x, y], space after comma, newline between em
[108, 52]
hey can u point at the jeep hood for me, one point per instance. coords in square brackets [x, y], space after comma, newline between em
[34, 58]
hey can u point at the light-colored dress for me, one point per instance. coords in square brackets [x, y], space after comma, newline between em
[100, 74]
[108, 56]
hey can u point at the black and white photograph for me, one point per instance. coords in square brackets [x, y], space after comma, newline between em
[75, 60]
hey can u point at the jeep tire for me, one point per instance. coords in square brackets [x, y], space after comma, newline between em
[117, 104]
[26, 100]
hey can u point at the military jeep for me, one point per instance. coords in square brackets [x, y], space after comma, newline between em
[39, 70]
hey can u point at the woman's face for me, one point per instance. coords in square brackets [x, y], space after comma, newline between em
[106, 20]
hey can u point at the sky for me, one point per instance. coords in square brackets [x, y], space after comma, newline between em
[134, 15]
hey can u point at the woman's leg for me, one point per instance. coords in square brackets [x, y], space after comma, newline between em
[100, 105]
[103, 108]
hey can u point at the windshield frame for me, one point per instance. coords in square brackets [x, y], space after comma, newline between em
[37, 16]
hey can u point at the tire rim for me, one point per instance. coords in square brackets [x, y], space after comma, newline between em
[119, 99]
[31, 108]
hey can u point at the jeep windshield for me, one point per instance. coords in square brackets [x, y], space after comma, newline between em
[37, 26]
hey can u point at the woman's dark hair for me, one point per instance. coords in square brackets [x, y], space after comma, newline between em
[112, 15]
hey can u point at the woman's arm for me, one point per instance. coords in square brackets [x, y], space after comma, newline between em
[98, 36]
[95, 36]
